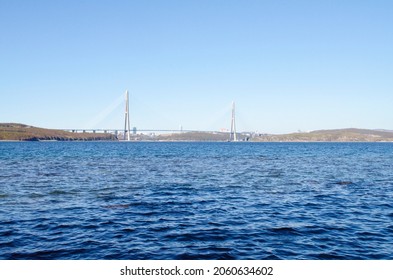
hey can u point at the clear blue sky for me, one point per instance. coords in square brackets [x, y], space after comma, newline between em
[288, 65]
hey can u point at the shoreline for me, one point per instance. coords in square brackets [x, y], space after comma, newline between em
[13, 132]
[184, 141]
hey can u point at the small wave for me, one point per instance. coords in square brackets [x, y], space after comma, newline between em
[285, 230]
[216, 224]
[205, 256]
[128, 230]
[272, 257]
[6, 233]
[58, 192]
[180, 185]
[89, 226]
[66, 226]
[275, 174]
[313, 230]
[344, 183]
[39, 255]
[201, 235]
[9, 243]
[43, 226]
[367, 234]
[329, 256]
[312, 205]
[117, 206]
[36, 195]
[390, 228]
[53, 174]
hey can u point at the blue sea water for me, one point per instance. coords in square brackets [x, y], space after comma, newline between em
[127, 200]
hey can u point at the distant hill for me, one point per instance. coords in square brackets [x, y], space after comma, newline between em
[22, 132]
[334, 135]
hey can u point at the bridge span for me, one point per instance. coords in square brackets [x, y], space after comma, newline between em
[134, 130]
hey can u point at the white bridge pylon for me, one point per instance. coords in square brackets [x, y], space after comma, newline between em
[127, 118]
[232, 136]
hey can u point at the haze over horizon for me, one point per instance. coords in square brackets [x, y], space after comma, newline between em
[288, 65]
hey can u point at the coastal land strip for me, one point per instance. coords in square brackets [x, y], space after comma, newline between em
[22, 132]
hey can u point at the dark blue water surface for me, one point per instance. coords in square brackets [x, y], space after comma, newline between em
[100, 200]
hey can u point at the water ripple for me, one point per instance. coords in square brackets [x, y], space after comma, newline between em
[196, 201]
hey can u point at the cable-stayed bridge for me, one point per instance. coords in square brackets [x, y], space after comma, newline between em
[134, 130]
[127, 131]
